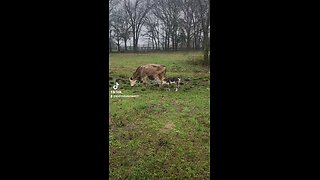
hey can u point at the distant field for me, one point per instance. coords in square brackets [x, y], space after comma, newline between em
[160, 134]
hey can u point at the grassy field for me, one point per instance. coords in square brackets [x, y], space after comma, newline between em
[160, 134]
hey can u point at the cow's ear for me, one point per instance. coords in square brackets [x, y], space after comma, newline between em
[130, 78]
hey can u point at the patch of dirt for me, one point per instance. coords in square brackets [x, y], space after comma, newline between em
[204, 120]
[167, 127]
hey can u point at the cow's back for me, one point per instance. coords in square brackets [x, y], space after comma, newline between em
[153, 69]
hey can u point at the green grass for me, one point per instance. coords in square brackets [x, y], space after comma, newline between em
[160, 134]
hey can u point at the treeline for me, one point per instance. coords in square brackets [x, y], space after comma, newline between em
[167, 24]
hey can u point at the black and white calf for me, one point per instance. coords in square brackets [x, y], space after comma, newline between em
[172, 80]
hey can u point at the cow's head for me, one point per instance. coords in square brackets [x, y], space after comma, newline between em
[132, 82]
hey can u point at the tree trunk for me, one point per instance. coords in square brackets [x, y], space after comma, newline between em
[188, 39]
[118, 44]
[165, 41]
[152, 44]
[134, 39]
[172, 40]
[168, 41]
[198, 41]
[176, 37]
[110, 42]
[206, 46]
[125, 44]
[195, 39]
[136, 43]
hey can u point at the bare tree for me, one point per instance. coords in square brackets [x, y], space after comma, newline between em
[174, 17]
[137, 11]
[168, 12]
[121, 26]
[196, 25]
[152, 25]
[112, 5]
[205, 23]
[117, 37]
[116, 28]
[166, 23]
[188, 9]
[161, 11]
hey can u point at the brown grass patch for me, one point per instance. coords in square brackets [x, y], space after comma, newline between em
[167, 127]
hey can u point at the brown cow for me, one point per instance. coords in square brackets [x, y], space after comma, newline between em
[149, 71]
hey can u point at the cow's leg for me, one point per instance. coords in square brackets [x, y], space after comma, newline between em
[145, 81]
[161, 78]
